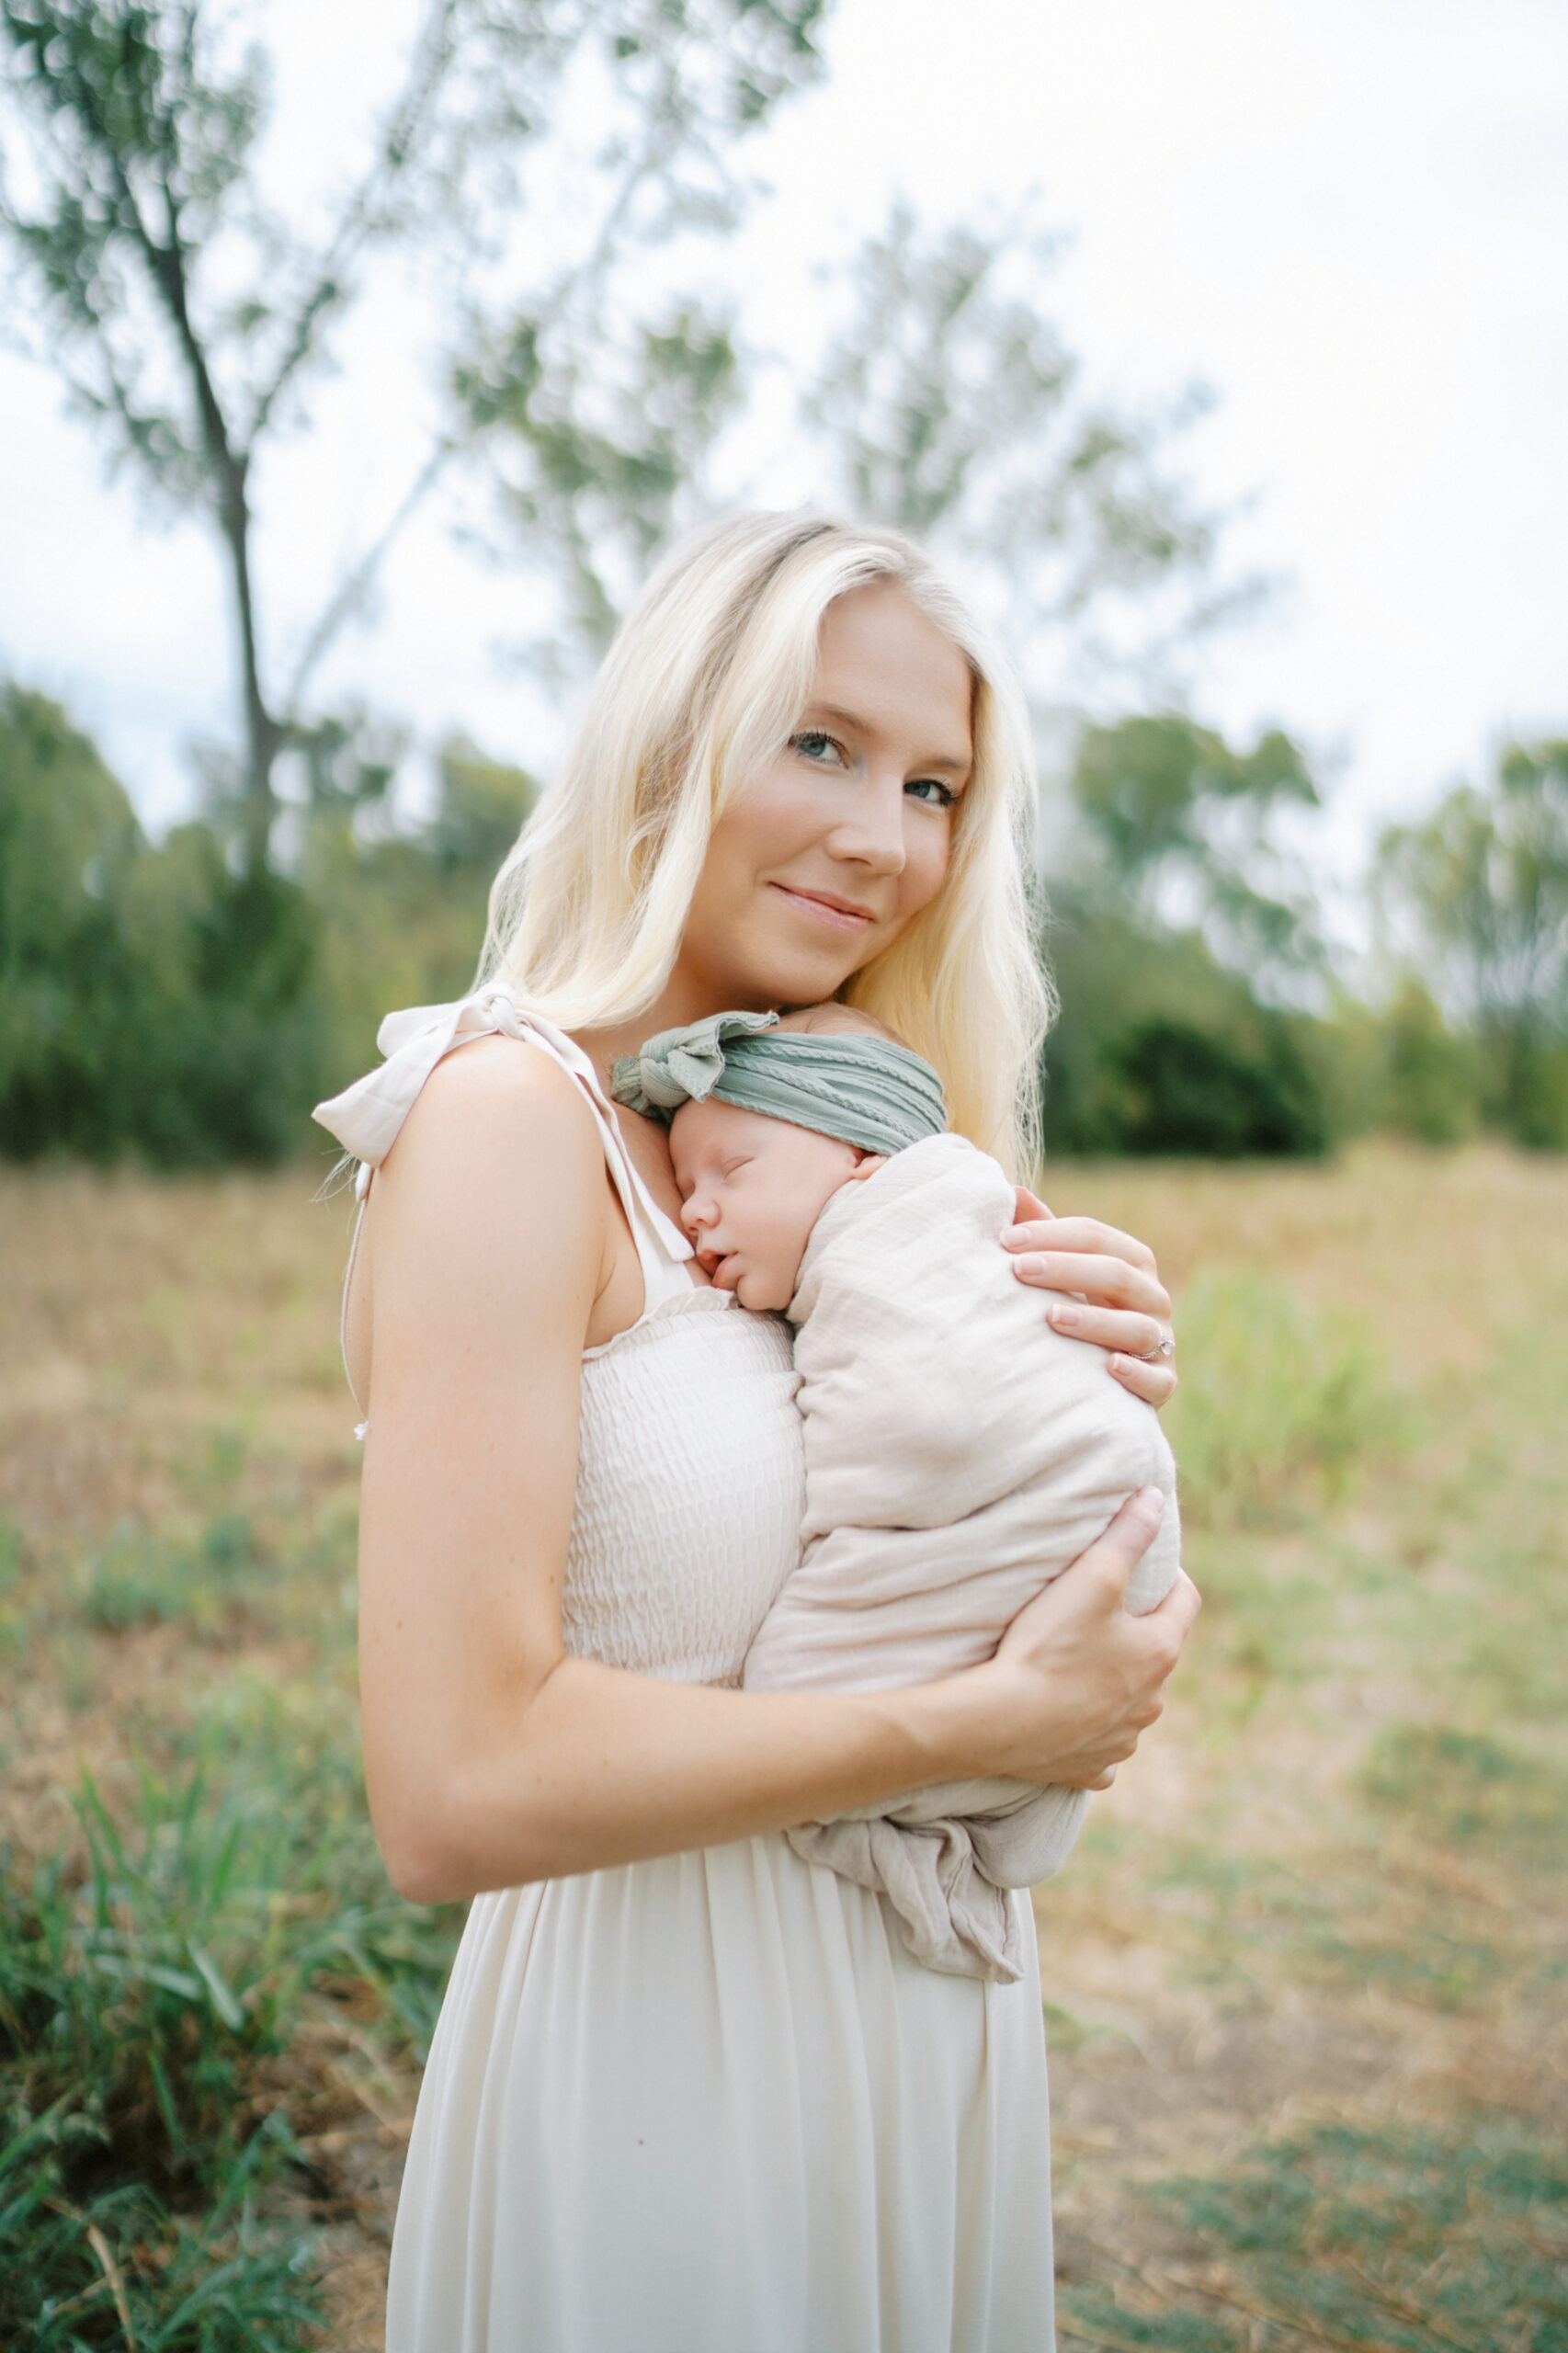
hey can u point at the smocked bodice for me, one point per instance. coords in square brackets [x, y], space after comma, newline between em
[690, 1490]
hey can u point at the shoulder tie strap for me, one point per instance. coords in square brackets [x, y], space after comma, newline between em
[366, 1117]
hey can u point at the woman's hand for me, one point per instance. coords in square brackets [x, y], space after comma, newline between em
[1121, 1302]
[1076, 1678]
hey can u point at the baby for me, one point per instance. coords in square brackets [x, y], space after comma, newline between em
[959, 1453]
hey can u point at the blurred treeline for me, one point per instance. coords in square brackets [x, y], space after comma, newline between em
[164, 1000]
[186, 1001]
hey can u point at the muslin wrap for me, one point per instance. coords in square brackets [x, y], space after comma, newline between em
[960, 1453]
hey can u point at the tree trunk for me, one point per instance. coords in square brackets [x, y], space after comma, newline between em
[264, 736]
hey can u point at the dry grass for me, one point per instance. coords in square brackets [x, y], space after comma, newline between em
[1298, 1906]
[1330, 1890]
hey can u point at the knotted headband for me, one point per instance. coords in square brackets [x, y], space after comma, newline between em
[865, 1090]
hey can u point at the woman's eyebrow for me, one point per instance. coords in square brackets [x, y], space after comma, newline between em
[954, 764]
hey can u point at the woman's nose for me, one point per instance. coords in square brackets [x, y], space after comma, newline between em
[872, 831]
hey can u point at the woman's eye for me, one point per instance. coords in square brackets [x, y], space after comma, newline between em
[928, 788]
[813, 745]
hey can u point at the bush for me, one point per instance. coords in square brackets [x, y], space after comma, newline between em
[1159, 1049]
[1182, 1091]
[154, 1002]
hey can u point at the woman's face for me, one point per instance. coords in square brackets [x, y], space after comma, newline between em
[824, 858]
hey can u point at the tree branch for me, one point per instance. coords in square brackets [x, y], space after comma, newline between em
[362, 214]
[351, 593]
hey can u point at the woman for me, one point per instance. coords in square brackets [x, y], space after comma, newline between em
[689, 2094]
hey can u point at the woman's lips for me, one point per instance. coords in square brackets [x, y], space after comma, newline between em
[839, 914]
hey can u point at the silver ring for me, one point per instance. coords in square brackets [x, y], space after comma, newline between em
[1162, 1347]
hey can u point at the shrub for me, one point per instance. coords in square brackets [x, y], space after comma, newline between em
[1182, 1091]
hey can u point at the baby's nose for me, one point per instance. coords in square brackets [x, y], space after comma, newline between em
[695, 1213]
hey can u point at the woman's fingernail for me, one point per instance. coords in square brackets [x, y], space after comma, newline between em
[1064, 1317]
[1015, 1237]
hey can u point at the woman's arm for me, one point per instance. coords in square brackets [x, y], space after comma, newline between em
[1122, 1305]
[492, 1758]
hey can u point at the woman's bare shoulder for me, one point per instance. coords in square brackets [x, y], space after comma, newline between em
[504, 1138]
[497, 1089]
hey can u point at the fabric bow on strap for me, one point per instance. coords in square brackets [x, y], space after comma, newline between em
[366, 1117]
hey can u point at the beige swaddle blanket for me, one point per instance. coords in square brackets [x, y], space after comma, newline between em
[960, 1453]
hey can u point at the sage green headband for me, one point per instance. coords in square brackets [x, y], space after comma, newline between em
[864, 1090]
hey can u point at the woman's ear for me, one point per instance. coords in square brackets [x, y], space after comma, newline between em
[867, 1165]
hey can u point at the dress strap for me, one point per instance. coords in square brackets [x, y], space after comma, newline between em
[368, 1117]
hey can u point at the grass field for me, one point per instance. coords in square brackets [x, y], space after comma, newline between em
[1304, 1977]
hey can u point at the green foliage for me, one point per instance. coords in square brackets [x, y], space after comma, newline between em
[597, 445]
[147, 1991]
[138, 1579]
[1477, 900]
[1405, 2240]
[153, 1001]
[1278, 1405]
[1158, 1049]
[1179, 1090]
[1177, 816]
[150, 999]
[114, 2266]
[1433, 1078]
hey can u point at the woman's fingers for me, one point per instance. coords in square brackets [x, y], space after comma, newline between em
[1079, 1638]
[1103, 1276]
[1178, 1611]
[1111, 1294]
[1116, 1554]
[1079, 1236]
[1111, 1327]
[1092, 1587]
[1153, 1380]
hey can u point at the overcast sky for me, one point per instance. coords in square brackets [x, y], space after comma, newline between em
[1350, 218]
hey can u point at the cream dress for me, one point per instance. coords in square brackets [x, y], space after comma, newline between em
[707, 2104]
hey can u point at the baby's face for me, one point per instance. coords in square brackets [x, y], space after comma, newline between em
[751, 1191]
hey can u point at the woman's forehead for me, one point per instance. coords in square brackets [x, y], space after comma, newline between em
[886, 668]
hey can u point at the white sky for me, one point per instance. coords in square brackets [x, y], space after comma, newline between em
[1350, 218]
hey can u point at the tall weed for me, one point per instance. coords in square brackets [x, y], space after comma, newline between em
[150, 1980]
[114, 2268]
[1278, 1403]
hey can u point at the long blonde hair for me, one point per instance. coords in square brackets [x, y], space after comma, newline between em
[702, 687]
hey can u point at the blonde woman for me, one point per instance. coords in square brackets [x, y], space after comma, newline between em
[689, 2094]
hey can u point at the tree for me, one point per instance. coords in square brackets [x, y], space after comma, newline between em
[946, 404]
[950, 406]
[1476, 900]
[188, 315]
[1184, 829]
[598, 442]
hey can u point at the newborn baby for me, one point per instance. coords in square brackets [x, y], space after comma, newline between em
[959, 1453]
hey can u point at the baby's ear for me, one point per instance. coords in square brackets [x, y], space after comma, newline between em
[867, 1165]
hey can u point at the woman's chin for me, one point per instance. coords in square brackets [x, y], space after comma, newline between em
[790, 978]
